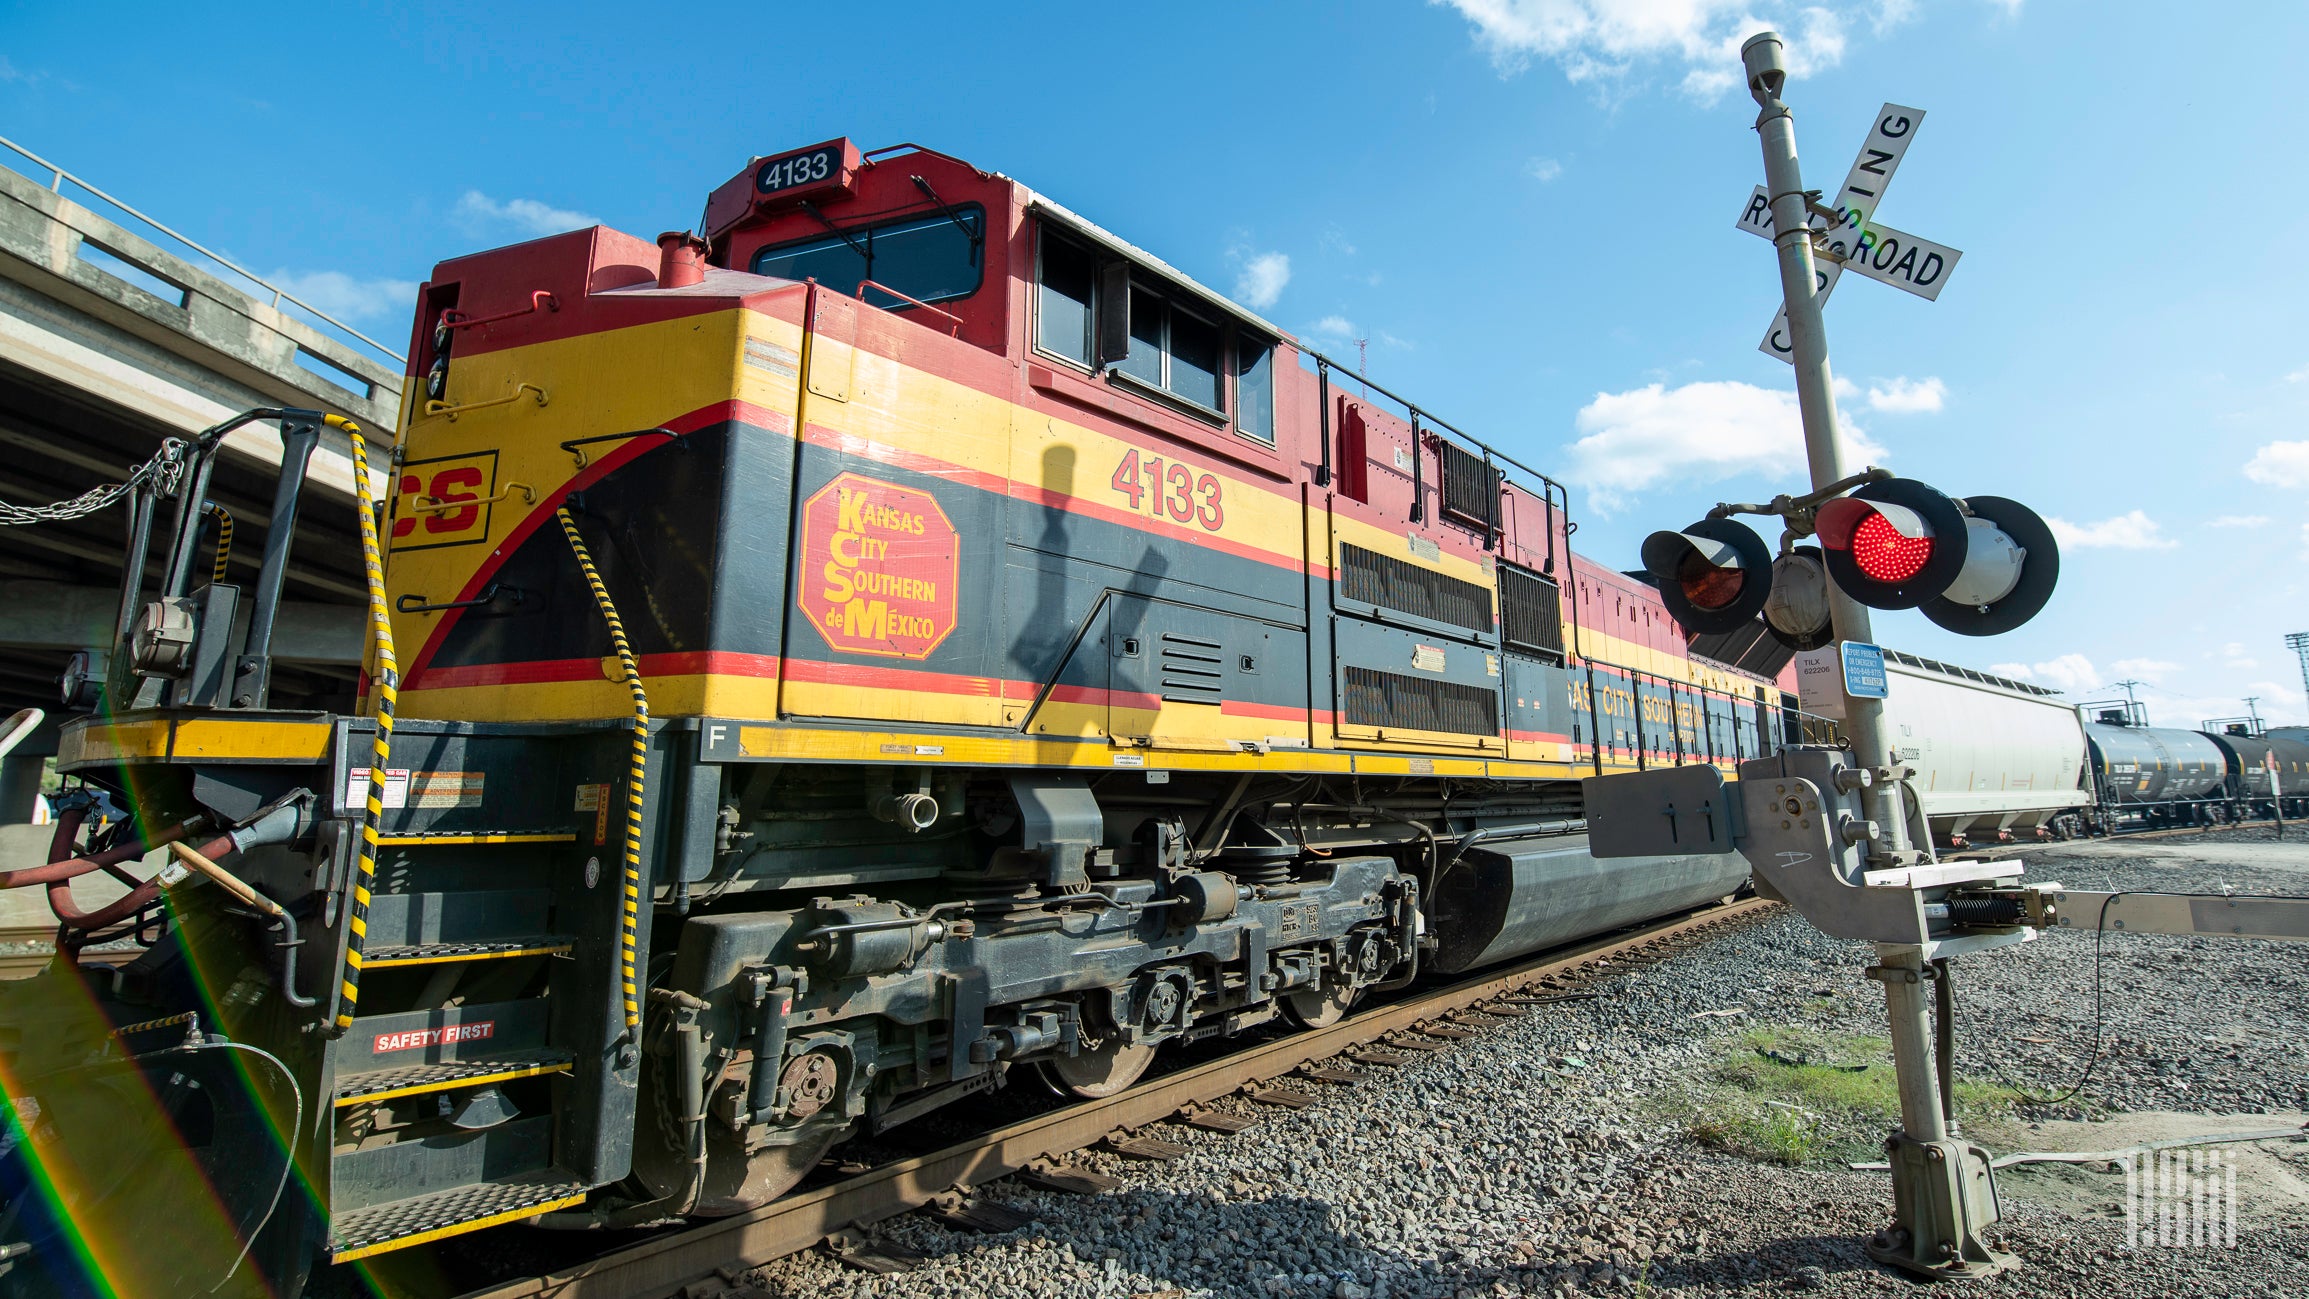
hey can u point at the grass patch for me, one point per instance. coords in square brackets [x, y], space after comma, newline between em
[1792, 1095]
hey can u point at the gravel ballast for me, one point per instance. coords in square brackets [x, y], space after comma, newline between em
[1553, 1156]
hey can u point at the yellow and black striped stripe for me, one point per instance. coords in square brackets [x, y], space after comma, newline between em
[388, 682]
[224, 540]
[629, 927]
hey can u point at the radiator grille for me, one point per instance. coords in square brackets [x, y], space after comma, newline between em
[1404, 586]
[1193, 669]
[1376, 698]
[1470, 487]
[1530, 611]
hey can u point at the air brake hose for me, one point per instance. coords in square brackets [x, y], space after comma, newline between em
[388, 681]
[636, 775]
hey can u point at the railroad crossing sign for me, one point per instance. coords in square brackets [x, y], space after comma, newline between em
[1853, 239]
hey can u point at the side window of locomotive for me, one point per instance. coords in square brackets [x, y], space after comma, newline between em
[1062, 304]
[936, 258]
[1174, 349]
[1254, 389]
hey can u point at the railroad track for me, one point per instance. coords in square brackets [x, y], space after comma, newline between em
[23, 965]
[663, 1265]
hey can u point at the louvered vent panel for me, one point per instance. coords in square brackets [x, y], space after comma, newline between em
[1192, 669]
[1470, 487]
[1399, 584]
[1390, 699]
[1530, 611]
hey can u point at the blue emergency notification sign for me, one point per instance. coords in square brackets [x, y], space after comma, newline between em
[1864, 671]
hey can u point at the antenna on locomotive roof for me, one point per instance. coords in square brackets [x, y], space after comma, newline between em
[1363, 364]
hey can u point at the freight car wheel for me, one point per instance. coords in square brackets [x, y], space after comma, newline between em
[1099, 1072]
[1320, 1007]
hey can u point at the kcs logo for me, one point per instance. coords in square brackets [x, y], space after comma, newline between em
[444, 502]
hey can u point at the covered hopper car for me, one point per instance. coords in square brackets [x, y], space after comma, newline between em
[900, 638]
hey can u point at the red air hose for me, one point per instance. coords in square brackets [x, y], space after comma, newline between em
[63, 866]
[61, 870]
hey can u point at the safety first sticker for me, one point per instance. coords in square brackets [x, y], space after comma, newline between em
[447, 1035]
[405, 788]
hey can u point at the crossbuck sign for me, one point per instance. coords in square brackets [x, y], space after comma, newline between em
[1854, 240]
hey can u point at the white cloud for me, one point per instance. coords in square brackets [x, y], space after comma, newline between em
[1336, 327]
[1700, 432]
[2069, 672]
[2150, 670]
[1262, 279]
[2239, 521]
[2280, 464]
[1606, 40]
[2233, 656]
[1543, 169]
[2298, 376]
[526, 215]
[1906, 396]
[337, 294]
[2132, 530]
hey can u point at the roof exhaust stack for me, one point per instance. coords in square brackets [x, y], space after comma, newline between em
[681, 260]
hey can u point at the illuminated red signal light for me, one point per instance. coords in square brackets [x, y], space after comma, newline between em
[1707, 586]
[1886, 556]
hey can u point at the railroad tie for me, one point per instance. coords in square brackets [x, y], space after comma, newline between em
[1216, 1120]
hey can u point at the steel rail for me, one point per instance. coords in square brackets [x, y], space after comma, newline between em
[663, 1265]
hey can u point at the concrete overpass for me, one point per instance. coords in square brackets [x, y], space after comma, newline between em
[110, 341]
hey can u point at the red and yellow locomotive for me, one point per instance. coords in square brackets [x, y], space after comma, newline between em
[899, 634]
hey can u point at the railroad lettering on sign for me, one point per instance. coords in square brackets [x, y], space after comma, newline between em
[1854, 240]
[880, 567]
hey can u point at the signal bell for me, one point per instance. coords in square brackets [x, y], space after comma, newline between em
[1713, 576]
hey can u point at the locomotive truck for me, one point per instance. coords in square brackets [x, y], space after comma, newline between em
[823, 667]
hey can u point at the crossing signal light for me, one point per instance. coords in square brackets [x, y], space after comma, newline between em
[2011, 564]
[1892, 544]
[1977, 566]
[1713, 576]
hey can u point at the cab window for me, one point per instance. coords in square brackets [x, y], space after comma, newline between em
[935, 258]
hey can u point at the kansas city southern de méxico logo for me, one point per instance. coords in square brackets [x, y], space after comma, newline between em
[879, 567]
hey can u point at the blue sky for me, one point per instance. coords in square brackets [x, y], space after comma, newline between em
[1526, 206]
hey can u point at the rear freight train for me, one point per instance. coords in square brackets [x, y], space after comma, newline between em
[898, 639]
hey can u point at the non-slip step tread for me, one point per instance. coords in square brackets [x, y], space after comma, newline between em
[377, 1084]
[423, 1218]
[475, 950]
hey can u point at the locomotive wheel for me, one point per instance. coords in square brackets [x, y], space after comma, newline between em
[1103, 1071]
[770, 1173]
[1320, 1007]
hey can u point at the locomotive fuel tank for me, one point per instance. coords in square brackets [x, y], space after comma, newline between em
[2150, 764]
[1504, 898]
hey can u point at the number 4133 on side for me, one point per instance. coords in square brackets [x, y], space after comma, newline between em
[1156, 488]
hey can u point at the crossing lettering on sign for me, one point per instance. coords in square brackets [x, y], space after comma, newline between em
[1853, 239]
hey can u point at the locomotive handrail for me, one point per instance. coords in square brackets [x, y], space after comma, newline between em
[864, 285]
[1421, 412]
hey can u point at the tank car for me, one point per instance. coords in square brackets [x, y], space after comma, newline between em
[2264, 769]
[898, 639]
[2157, 775]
